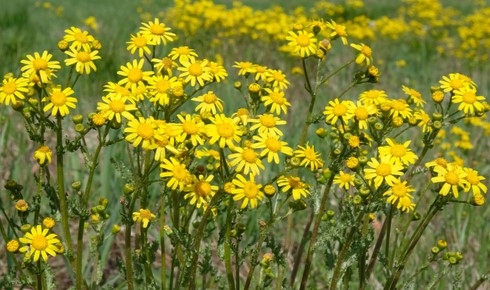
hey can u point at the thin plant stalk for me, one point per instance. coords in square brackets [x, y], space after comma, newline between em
[227, 245]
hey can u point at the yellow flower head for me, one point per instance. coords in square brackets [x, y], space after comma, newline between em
[157, 32]
[338, 110]
[133, 74]
[344, 180]
[400, 152]
[452, 176]
[21, 205]
[142, 131]
[43, 154]
[59, 101]
[200, 191]
[224, 130]
[78, 39]
[139, 42]
[467, 99]
[82, 59]
[303, 43]
[309, 157]
[40, 66]
[293, 184]
[13, 89]
[38, 243]
[246, 160]
[365, 53]
[179, 176]
[276, 100]
[386, 169]
[271, 146]
[144, 217]
[196, 71]
[247, 190]
[209, 102]
[115, 106]
[399, 195]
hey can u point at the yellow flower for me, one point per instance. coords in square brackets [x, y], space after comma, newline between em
[399, 195]
[344, 180]
[276, 100]
[160, 88]
[244, 67]
[208, 102]
[12, 246]
[200, 191]
[82, 59]
[195, 71]
[39, 243]
[266, 124]
[423, 120]
[246, 160]
[224, 130]
[277, 79]
[140, 43]
[43, 154]
[59, 101]
[116, 106]
[217, 71]
[144, 217]
[365, 53]
[474, 182]
[248, 190]
[48, 222]
[142, 131]
[400, 107]
[193, 128]
[302, 42]
[453, 177]
[455, 81]
[468, 100]
[338, 30]
[375, 97]
[437, 162]
[309, 157]
[79, 39]
[293, 184]
[21, 205]
[183, 54]
[384, 170]
[164, 65]
[338, 110]
[361, 113]
[414, 96]
[13, 89]
[400, 152]
[157, 32]
[133, 74]
[179, 175]
[40, 65]
[271, 146]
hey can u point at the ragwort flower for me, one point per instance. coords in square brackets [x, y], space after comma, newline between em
[386, 169]
[344, 180]
[115, 106]
[293, 184]
[247, 190]
[200, 191]
[400, 152]
[13, 89]
[365, 53]
[59, 101]
[38, 243]
[453, 177]
[468, 100]
[302, 42]
[179, 176]
[246, 160]
[309, 157]
[41, 65]
[276, 100]
[271, 146]
[157, 32]
[144, 217]
[43, 155]
[195, 72]
[399, 195]
[224, 130]
[82, 59]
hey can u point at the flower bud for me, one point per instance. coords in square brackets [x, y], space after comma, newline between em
[80, 128]
[63, 45]
[357, 199]
[321, 132]
[441, 244]
[77, 119]
[76, 185]
[12, 246]
[18, 105]
[115, 229]
[25, 228]
[269, 189]
[435, 250]
[21, 205]
[352, 162]
[49, 222]
[128, 188]
[438, 96]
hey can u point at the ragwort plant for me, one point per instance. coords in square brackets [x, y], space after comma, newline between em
[194, 176]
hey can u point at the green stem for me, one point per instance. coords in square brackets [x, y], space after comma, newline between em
[227, 244]
[335, 72]
[163, 270]
[39, 276]
[144, 243]
[127, 243]
[254, 261]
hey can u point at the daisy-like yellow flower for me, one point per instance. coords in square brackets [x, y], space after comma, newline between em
[384, 170]
[246, 160]
[399, 107]
[193, 128]
[245, 67]
[218, 72]
[115, 89]
[423, 120]
[361, 112]
[374, 97]
[338, 31]
[59, 101]
[157, 32]
[38, 243]
[365, 53]
[144, 217]
[243, 114]
[162, 146]
[200, 191]
[468, 100]
[195, 72]
[453, 177]
[183, 54]
[399, 195]
[82, 59]
[133, 74]
[455, 81]
[208, 103]
[303, 43]
[79, 39]
[115, 106]
[49, 222]
[247, 190]
[224, 130]
[414, 96]
[337, 110]
[159, 87]
[43, 155]
[179, 175]
[437, 162]
[164, 65]
[140, 43]
[266, 124]
[277, 79]
[13, 89]
[474, 182]
[293, 184]
[271, 146]
[259, 72]
[40, 65]
[309, 157]
[400, 152]
[344, 180]
[275, 100]
[142, 131]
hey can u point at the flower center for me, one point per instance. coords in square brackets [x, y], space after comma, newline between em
[398, 150]
[267, 121]
[44, 149]
[399, 189]
[273, 144]
[340, 30]
[140, 41]
[345, 178]
[145, 131]
[469, 97]
[361, 113]
[472, 178]
[117, 106]
[366, 50]
[294, 182]
[339, 110]
[183, 50]
[58, 98]
[157, 29]
[179, 172]
[310, 154]
[162, 86]
[209, 98]
[83, 56]
[250, 189]
[452, 178]
[10, 87]
[278, 76]
[39, 242]
[398, 105]
[145, 214]
[195, 69]
[39, 64]
[303, 40]
[190, 127]
[277, 98]
[135, 75]
[80, 37]
[249, 155]
[456, 84]
[202, 188]
[383, 169]
[162, 143]
[225, 130]
[441, 162]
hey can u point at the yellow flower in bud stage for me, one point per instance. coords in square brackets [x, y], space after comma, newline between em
[144, 217]
[49, 222]
[399, 195]
[79, 39]
[302, 42]
[271, 146]
[474, 182]
[82, 59]
[352, 162]
[38, 243]
[386, 169]
[12, 246]
[159, 87]
[276, 100]
[246, 160]
[354, 141]
[337, 110]
[139, 42]
[293, 184]
[365, 53]
[344, 180]
[59, 100]
[455, 81]
[338, 31]
[13, 89]
[400, 152]
[183, 54]
[423, 120]
[21, 205]
[310, 158]
[193, 128]
[43, 154]
[157, 32]
[142, 131]
[133, 74]
[99, 119]
[438, 96]
[361, 112]
[453, 177]
[229, 187]
[224, 130]
[164, 65]
[478, 199]
[277, 79]
[245, 67]
[179, 175]
[200, 191]
[195, 71]
[115, 106]
[467, 99]
[217, 71]
[399, 107]
[269, 189]
[266, 124]
[414, 96]
[209, 102]
[40, 65]
[374, 97]
[247, 190]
